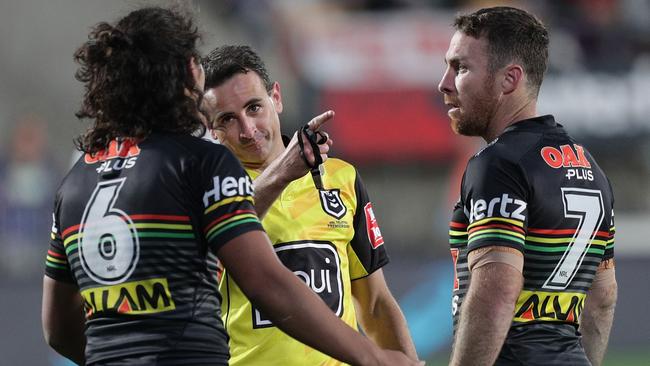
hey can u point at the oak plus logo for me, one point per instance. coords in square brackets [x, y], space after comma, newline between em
[318, 265]
[503, 206]
[332, 203]
[120, 154]
[573, 159]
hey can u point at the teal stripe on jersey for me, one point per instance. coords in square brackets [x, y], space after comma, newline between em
[499, 236]
[165, 235]
[54, 265]
[236, 223]
[71, 247]
[561, 249]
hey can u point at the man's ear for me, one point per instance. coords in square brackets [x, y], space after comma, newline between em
[276, 97]
[197, 72]
[513, 78]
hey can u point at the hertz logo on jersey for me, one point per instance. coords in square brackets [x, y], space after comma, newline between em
[228, 187]
[549, 306]
[503, 206]
[137, 297]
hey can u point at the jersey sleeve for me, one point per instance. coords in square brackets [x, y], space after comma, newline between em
[366, 250]
[609, 247]
[494, 196]
[227, 194]
[57, 266]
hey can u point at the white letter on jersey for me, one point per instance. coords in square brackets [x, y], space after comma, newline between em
[215, 193]
[504, 204]
[228, 187]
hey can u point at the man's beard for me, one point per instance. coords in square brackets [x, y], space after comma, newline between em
[475, 122]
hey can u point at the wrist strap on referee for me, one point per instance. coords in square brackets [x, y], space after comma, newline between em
[314, 139]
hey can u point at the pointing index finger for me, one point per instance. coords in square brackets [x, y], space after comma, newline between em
[316, 122]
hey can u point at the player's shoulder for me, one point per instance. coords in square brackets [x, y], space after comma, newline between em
[338, 163]
[509, 148]
[498, 151]
[192, 147]
[340, 171]
[193, 143]
[339, 166]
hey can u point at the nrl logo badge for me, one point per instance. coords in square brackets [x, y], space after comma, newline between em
[332, 204]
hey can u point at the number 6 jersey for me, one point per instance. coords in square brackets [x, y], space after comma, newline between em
[136, 228]
[536, 190]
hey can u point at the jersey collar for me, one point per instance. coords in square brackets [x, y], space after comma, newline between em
[534, 123]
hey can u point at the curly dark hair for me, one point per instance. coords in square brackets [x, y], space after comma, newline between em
[512, 35]
[138, 79]
[224, 62]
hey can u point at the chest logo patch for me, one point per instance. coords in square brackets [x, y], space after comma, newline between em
[332, 204]
[318, 265]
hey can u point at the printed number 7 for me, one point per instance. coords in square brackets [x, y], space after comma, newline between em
[586, 205]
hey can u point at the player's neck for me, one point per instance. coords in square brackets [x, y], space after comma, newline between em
[508, 114]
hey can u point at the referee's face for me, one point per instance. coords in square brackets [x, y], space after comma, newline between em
[468, 87]
[244, 117]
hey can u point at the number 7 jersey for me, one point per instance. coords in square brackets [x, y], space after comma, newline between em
[536, 190]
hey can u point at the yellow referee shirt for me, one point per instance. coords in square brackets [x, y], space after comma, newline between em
[328, 239]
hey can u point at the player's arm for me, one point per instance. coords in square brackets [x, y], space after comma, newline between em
[489, 305]
[598, 314]
[379, 314]
[288, 167]
[63, 319]
[293, 307]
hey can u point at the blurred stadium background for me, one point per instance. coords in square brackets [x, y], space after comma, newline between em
[377, 64]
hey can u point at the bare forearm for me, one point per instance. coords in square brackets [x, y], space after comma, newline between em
[598, 315]
[595, 328]
[71, 346]
[486, 315]
[268, 187]
[481, 332]
[387, 327]
[63, 319]
[291, 307]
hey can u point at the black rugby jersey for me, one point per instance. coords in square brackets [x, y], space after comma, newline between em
[536, 190]
[136, 228]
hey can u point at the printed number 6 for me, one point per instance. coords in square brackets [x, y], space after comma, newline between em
[586, 205]
[109, 248]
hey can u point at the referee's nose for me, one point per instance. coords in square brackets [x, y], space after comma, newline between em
[247, 128]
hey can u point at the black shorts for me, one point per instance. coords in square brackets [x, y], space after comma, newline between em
[543, 345]
[159, 360]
